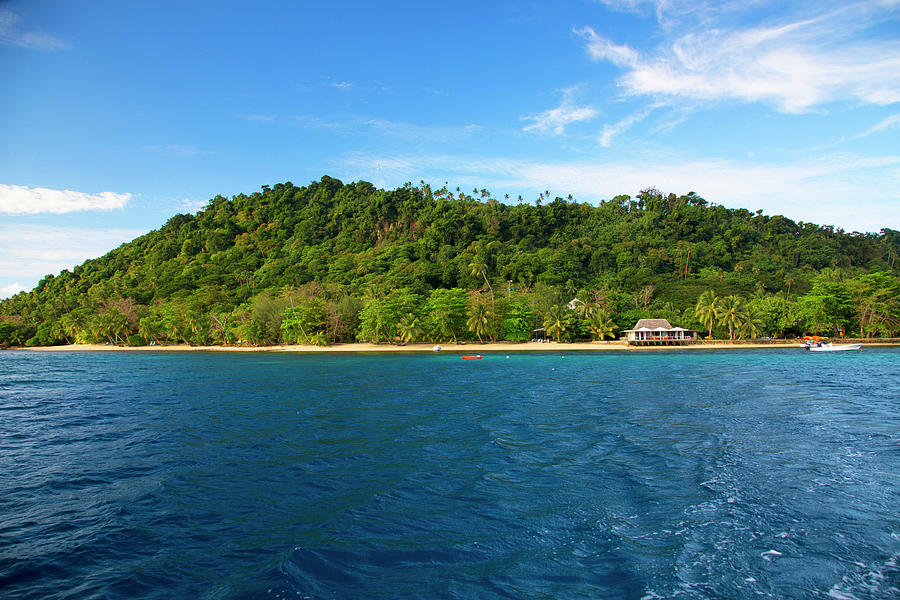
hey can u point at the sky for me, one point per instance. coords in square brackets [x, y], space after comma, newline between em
[114, 116]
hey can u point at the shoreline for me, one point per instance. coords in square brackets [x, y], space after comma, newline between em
[467, 348]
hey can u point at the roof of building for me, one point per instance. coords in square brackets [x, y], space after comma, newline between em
[653, 324]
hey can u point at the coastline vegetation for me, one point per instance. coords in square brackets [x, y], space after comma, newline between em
[329, 263]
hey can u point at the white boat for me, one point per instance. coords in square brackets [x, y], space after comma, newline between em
[829, 347]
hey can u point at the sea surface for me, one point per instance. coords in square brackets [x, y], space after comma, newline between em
[634, 475]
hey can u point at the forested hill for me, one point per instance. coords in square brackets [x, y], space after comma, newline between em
[333, 262]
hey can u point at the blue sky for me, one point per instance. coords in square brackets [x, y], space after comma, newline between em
[116, 115]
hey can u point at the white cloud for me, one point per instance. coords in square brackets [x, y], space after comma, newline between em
[29, 252]
[11, 34]
[849, 191]
[798, 65]
[889, 123]
[601, 48]
[22, 200]
[556, 119]
[193, 206]
[11, 290]
[611, 131]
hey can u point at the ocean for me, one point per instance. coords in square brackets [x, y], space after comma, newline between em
[634, 475]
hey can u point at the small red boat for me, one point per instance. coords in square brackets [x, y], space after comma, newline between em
[471, 357]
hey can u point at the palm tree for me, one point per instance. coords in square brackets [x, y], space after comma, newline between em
[72, 323]
[478, 320]
[557, 320]
[751, 324]
[732, 314]
[707, 310]
[600, 324]
[409, 328]
[584, 310]
[477, 267]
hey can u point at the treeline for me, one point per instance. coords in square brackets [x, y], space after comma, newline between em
[331, 263]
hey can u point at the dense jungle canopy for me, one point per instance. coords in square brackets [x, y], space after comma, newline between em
[331, 262]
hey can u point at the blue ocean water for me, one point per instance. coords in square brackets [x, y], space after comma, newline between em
[691, 474]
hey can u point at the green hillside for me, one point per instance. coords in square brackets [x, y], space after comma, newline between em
[331, 262]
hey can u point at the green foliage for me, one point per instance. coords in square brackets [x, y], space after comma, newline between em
[558, 321]
[708, 310]
[776, 314]
[518, 324]
[446, 314]
[303, 320]
[389, 265]
[479, 321]
[267, 314]
[731, 314]
[601, 325]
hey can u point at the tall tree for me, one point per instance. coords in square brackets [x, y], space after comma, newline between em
[557, 321]
[600, 324]
[708, 310]
[479, 320]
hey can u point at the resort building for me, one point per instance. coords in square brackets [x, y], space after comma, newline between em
[658, 332]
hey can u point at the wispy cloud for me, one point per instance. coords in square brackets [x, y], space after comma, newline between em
[798, 65]
[556, 119]
[36, 249]
[22, 200]
[13, 34]
[849, 191]
[193, 206]
[611, 131]
[361, 125]
[11, 289]
[601, 48]
[176, 150]
[891, 122]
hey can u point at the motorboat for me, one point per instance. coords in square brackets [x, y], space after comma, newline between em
[816, 344]
[829, 347]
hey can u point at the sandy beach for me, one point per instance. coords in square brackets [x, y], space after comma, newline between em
[467, 348]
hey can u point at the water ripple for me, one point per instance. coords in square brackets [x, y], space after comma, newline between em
[617, 475]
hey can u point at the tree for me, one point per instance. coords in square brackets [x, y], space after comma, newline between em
[446, 313]
[477, 267]
[774, 313]
[373, 318]
[303, 319]
[876, 299]
[751, 323]
[479, 320]
[829, 303]
[518, 324]
[601, 325]
[708, 310]
[409, 328]
[557, 321]
[731, 314]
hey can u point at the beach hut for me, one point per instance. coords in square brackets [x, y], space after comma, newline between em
[658, 332]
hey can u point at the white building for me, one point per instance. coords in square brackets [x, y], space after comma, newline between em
[658, 332]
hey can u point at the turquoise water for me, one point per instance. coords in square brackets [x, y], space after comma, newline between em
[739, 474]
